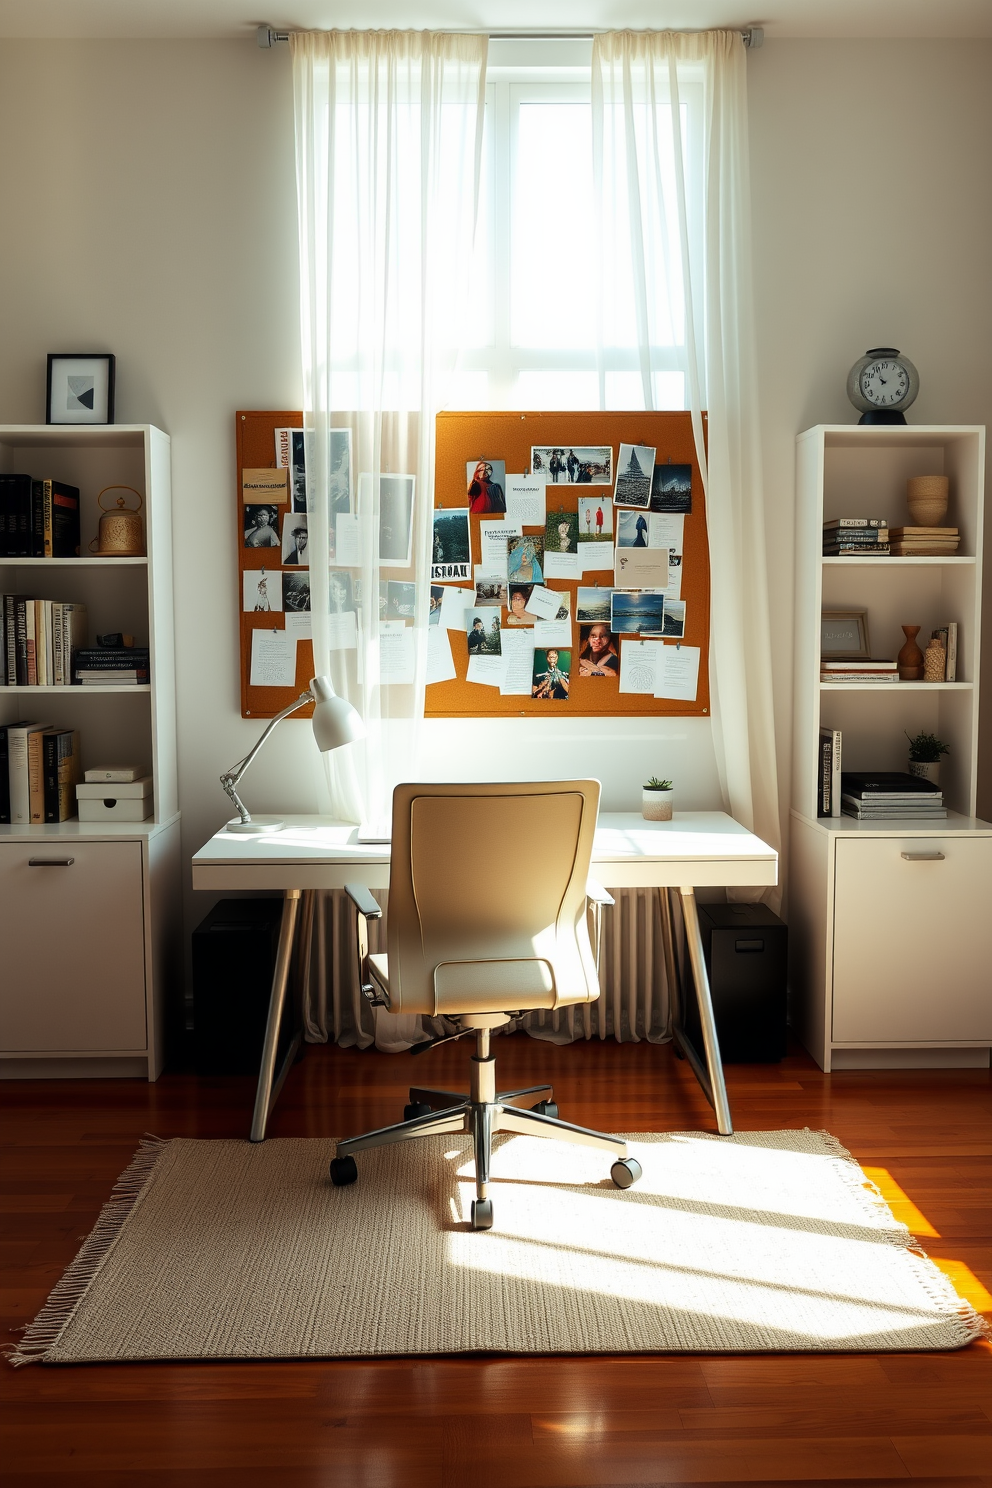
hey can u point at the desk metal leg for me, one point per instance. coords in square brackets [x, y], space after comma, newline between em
[710, 1074]
[268, 1086]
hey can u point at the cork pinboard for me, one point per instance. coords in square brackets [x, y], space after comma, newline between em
[464, 438]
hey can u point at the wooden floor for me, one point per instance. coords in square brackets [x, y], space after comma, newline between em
[501, 1423]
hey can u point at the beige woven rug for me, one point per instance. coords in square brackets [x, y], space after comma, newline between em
[766, 1240]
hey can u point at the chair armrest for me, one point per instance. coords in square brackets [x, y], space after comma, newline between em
[363, 901]
[597, 893]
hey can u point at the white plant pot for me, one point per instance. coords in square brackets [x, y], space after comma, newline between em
[656, 805]
[925, 770]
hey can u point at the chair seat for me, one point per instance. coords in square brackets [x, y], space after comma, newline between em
[480, 987]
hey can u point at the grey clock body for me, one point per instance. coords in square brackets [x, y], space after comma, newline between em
[882, 384]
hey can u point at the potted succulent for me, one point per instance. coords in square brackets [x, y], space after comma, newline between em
[925, 751]
[656, 800]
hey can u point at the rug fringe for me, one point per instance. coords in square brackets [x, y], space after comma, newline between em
[44, 1333]
[967, 1324]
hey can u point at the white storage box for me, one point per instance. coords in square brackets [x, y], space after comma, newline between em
[128, 801]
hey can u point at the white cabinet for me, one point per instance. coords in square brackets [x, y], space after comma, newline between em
[90, 950]
[890, 944]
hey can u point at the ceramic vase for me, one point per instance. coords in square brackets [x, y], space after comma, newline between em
[925, 769]
[926, 497]
[656, 805]
[910, 658]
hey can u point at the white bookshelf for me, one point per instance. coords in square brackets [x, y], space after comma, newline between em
[92, 949]
[896, 972]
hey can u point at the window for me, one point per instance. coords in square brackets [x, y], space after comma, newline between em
[532, 337]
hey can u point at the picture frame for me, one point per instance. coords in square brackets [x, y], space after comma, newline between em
[844, 635]
[80, 388]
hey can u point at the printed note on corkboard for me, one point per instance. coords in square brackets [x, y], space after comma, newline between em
[572, 449]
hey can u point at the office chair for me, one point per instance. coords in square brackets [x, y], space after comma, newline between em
[488, 918]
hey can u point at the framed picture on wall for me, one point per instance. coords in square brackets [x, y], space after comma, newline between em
[80, 388]
[844, 635]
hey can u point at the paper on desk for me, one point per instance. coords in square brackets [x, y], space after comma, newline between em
[638, 666]
[677, 673]
[397, 658]
[562, 565]
[595, 556]
[346, 540]
[544, 604]
[489, 670]
[641, 568]
[300, 625]
[526, 500]
[518, 653]
[440, 663]
[552, 633]
[493, 538]
[273, 659]
[453, 607]
[342, 632]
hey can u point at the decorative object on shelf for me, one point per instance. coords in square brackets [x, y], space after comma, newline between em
[844, 635]
[910, 657]
[80, 388]
[925, 751]
[121, 533]
[926, 497]
[334, 722]
[656, 800]
[934, 660]
[882, 384]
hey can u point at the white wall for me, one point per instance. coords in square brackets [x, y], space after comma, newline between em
[149, 210]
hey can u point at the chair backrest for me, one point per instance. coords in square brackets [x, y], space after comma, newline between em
[487, 896]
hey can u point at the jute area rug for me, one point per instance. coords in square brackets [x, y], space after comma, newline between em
[761, 1241]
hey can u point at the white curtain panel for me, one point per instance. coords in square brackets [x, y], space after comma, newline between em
[388, 159]
[641, 84]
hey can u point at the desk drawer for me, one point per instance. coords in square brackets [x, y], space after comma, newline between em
[913, 940]
[73, 946]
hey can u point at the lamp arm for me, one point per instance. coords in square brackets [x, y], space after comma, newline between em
[230, 778]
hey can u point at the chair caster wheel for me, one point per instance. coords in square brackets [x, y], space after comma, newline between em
[547, 1108]
[344, 1170]
[482, 1214]
[415, 1108]
[625, 1171]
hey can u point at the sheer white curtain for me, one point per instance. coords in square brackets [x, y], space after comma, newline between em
[388, 160]
[646, 217]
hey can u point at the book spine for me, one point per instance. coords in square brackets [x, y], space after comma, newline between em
[36, 547]
[826, 777]
[65, 520]
[17, 766]
[50, 765]
[21, 639]
[46, 519]
[69, 759]
[58, 676]
[36, 777]
[4, 777]
[10, 636]
[952, 652]
[83, 665]
[836, 522]
[3, 642]
[835, 782]
[30, 643]
[19, 517]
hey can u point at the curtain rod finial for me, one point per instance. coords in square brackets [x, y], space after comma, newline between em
[266, 37]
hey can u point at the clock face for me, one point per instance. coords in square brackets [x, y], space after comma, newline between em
[884, 384]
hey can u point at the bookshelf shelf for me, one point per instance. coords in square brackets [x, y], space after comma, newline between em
[889, 953]
[102, 980]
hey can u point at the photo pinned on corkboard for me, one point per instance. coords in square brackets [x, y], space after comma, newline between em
[561, 532]
[486, 483]
[552, 674]
[525, 559]
[599, 653]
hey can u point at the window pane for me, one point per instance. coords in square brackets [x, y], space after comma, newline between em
[551, 247]
[551, 390]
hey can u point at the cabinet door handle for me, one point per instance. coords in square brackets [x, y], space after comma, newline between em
[50, 862]
[933, 857]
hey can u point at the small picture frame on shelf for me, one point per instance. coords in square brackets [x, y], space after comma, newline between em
[844, 635]
[80, 388]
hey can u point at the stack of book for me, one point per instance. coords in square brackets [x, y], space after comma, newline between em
[39, 639]
[38, 518]
[112, 666]
[871, 670]
[924, 542]
[889, 795]
[39, 769]
[855, 537]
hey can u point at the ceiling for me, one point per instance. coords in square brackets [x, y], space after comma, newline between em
[233, 18]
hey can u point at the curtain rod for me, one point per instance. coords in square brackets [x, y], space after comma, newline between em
[753, 36]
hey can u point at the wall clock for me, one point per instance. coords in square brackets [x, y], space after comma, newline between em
[882, 384]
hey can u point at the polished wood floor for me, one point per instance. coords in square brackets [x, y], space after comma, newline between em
[925, 1136]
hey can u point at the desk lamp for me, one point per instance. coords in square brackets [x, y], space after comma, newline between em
[335, 722]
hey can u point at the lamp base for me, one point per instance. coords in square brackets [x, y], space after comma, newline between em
[256, 827]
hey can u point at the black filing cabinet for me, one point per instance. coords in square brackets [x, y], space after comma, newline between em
[746, 949]
[234, 954]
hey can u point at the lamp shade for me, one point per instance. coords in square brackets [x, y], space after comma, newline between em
[335, 721]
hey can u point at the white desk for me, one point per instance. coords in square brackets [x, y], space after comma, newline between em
[698, 849]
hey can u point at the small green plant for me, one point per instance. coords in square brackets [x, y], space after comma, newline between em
[655, 784]
[926, 749]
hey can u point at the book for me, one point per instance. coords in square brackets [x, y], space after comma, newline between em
[830, 772]
[4, 776]
[61, 519]
[109, 655]
[856, 664]
[854, 522]
[112, 679]
[15, 502]
[925, 532]
[951, 671]
[842, 679]
[18, 735]
[36, 776]
[887, 784]
[906, 812]
[30, 645]
[862, 550]
[74, 624]
[60, 759]
[856, 535]
[116, 774]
